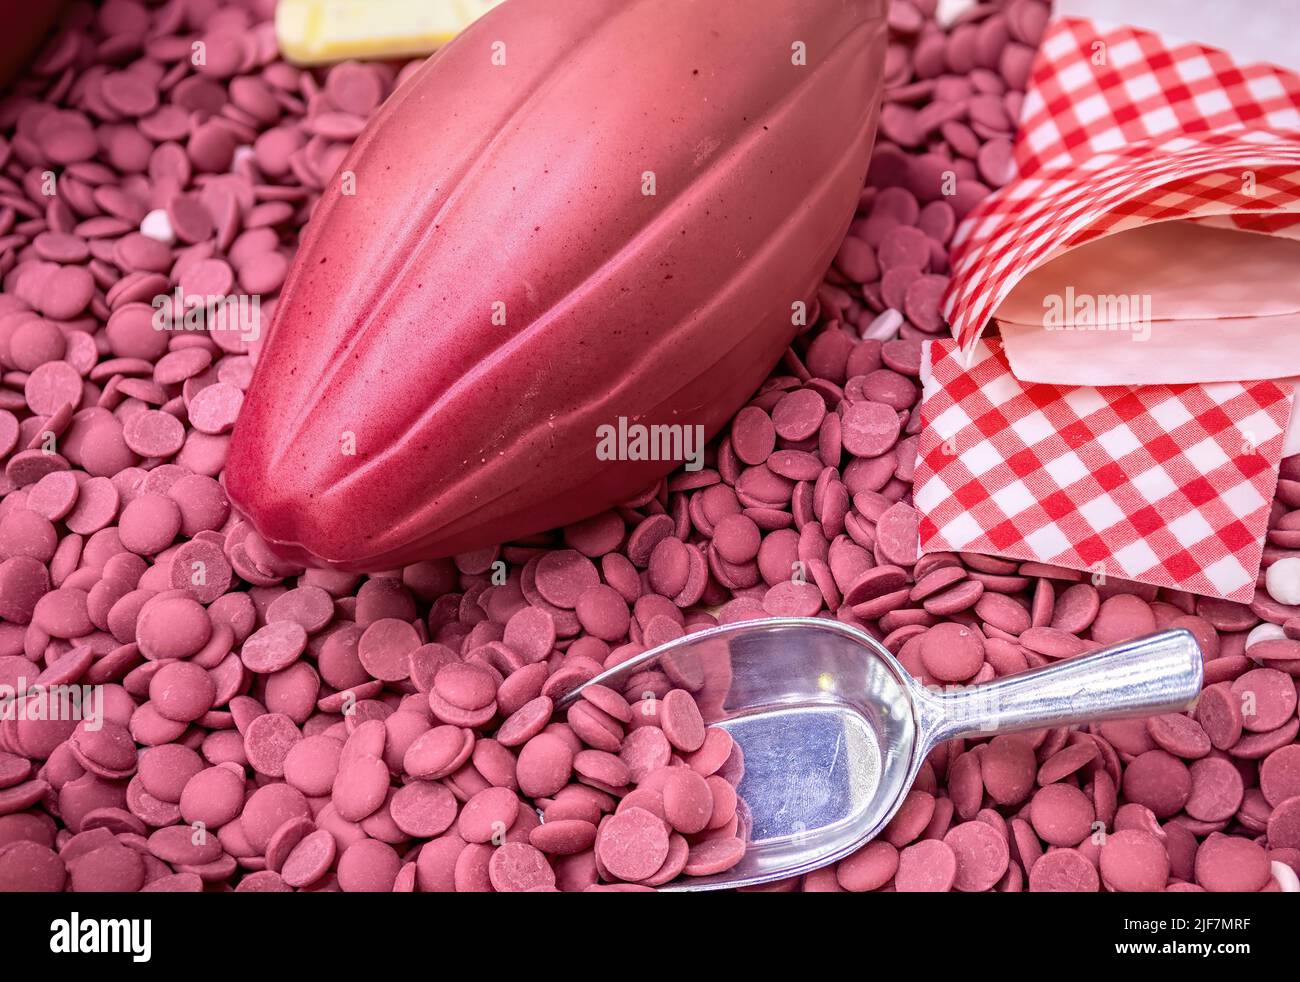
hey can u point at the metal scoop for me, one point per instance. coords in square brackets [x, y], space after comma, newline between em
[833, 730]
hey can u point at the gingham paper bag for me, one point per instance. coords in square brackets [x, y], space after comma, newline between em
[1124, 127]
[1137, 149]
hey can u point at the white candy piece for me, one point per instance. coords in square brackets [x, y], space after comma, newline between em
[949, 10]
[1283, 581]
[158, 225]
[884, 327]
[1263, 632]
[1285, 876]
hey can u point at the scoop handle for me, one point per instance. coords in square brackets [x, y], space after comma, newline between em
[1160, 673]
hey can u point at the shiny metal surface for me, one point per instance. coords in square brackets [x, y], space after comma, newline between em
[832, 729]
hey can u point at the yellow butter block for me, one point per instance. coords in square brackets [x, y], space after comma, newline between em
[315, 32]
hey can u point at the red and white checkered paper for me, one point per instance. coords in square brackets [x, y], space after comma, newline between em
[1156, 131]
[1163, 484]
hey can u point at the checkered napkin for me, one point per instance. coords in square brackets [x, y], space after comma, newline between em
[1121, 128]
[1163, 484]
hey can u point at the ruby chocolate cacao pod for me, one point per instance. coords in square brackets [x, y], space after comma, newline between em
[574, 214]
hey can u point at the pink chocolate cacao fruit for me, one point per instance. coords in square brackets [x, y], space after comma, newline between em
[642, 190]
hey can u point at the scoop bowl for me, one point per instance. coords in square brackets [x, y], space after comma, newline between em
[833, 730]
